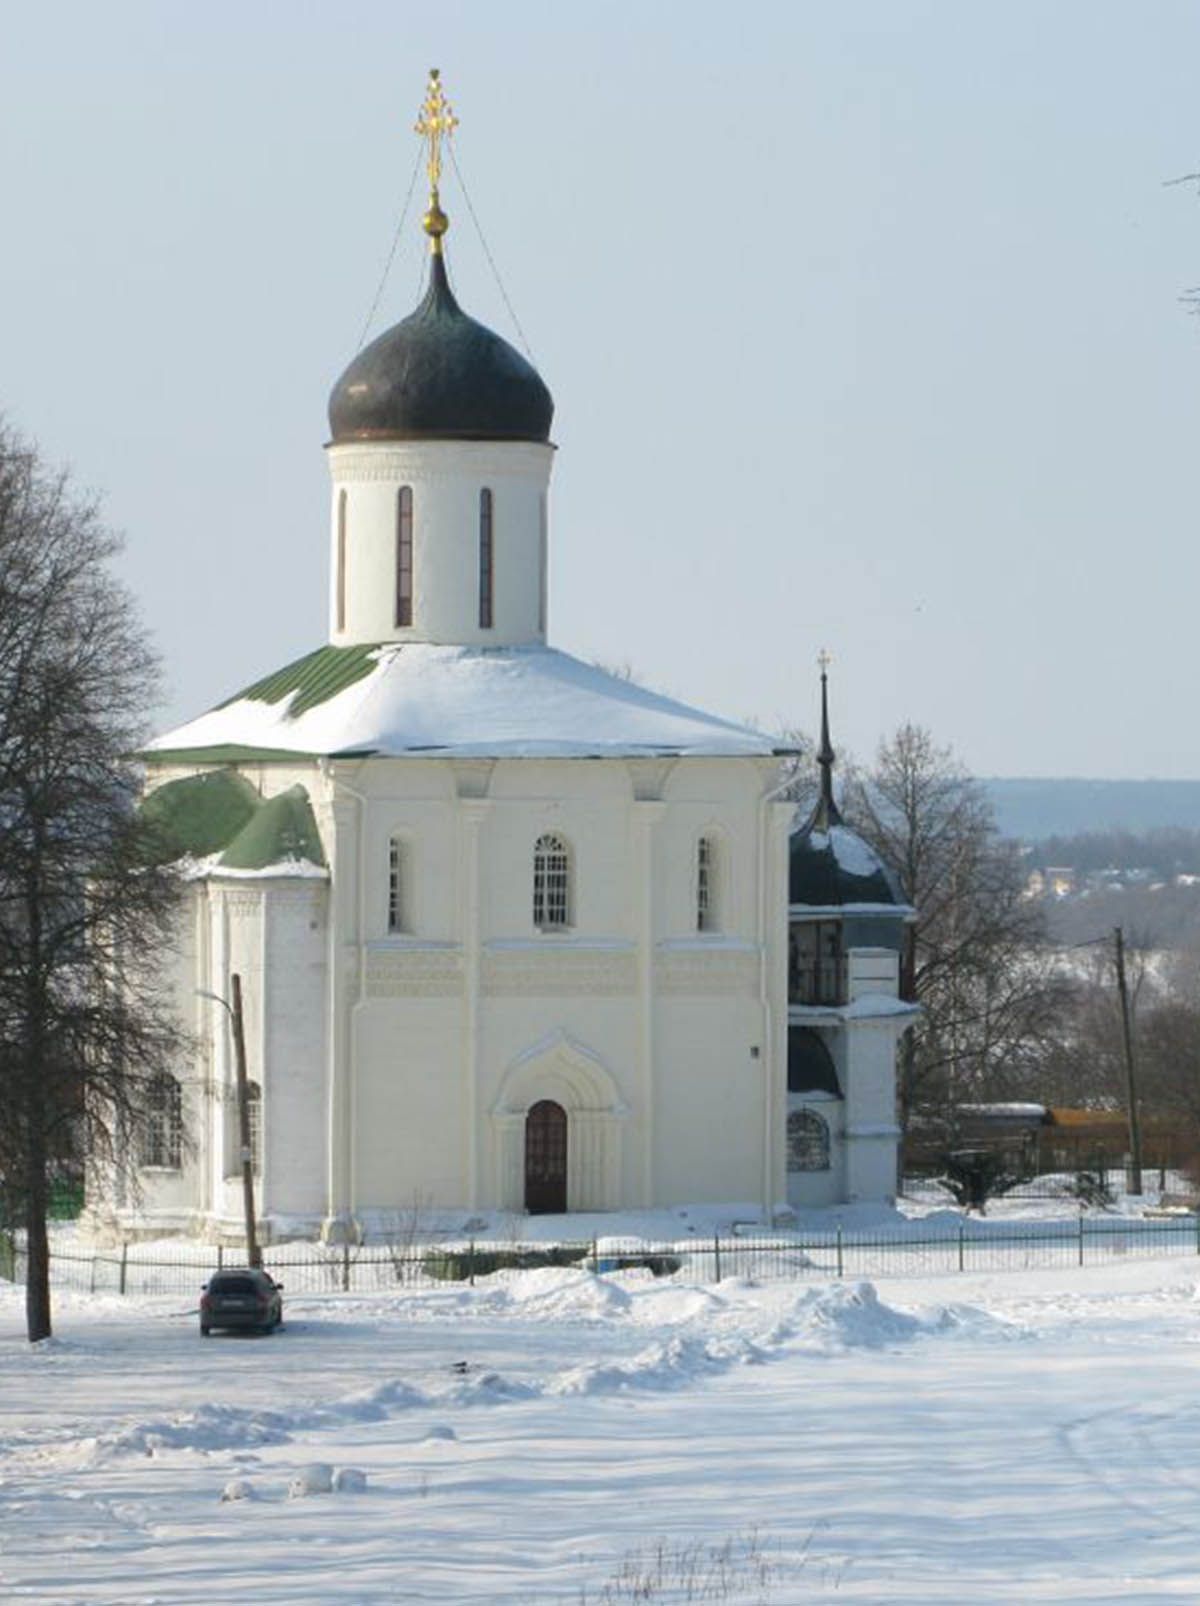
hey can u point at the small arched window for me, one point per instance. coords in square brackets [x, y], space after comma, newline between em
[807, 1141]
[486, 559]
[233, 1130]
[254, 1111]
[404, 557]
[551, 883]
[162, 1124]
[397, 914]
[341, 561]
[708, 914]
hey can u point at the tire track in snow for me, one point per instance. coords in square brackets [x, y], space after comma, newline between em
[1102, 1444]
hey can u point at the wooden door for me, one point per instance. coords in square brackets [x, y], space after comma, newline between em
[546, 1159]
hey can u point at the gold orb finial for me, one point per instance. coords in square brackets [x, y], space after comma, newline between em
[435, 123]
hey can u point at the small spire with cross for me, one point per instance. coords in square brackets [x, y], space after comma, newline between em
[436, 122]
[826, 813]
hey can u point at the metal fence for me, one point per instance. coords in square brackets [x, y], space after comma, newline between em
[1093, 1184]
[921, 1250]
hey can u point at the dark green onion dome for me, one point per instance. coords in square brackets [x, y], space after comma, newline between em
[832, 867]
[439, 375]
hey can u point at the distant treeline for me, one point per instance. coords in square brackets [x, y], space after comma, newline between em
[1153, 915]
[1033, 808]
[1166, 852]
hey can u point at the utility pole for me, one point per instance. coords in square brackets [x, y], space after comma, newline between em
[1135, 1129]
[253, 1252]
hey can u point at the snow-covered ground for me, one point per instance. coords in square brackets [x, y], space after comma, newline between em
[551, 1436]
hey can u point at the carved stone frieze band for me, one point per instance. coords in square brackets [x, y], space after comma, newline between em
[692, 972]
[552, 973]
[415, 973]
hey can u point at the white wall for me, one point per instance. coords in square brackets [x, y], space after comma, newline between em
[446, 478]
[400, 1066]
[645, 1024]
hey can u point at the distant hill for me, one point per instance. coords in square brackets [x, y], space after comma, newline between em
[1032, 808]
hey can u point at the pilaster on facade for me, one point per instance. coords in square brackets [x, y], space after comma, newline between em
[472, 812]
[647, 815]
[773, 939]
[341, 848]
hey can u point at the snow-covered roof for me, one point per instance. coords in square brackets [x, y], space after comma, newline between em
[417, 698]
[1010, 1110]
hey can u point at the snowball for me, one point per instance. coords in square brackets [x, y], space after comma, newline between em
[317, 1479]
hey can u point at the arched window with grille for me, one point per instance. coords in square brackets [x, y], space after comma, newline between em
[551, 883]
[161, 1142]
[486, 559]
[397, 919]
[807, 1141]
[233, 1130]
[254, 1110]
[708, 913]
[404, 557]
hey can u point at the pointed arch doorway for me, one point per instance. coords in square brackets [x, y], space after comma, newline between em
[546, 1159]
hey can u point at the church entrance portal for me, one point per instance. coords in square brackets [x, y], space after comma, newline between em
[546, 1159]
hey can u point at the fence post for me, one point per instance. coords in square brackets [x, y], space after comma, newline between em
[124, 1260]
[962, 1238]
[1081, 1237]
[220, 1256]
[471, 1263]
[1198, 1232]
[717, 1257]
[595, 1257]
[346, 1267]
[92, 1288]
[840, 1264]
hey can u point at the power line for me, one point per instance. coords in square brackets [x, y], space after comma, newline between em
[487, 253]
[391, 256]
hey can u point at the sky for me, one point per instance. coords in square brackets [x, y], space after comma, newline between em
[863, 324]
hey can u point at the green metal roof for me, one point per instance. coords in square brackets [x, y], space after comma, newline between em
[314, 678]
[200, 813]
[226, 753]
[282, 828]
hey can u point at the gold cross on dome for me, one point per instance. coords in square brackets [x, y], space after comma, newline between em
[436, 122]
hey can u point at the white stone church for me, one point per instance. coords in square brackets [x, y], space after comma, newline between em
[513, 934]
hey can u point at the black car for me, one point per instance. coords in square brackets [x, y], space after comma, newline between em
[241, 1297]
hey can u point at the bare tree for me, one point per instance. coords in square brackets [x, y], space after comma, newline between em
[86, 898]
[800, 770]
[974, 963]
